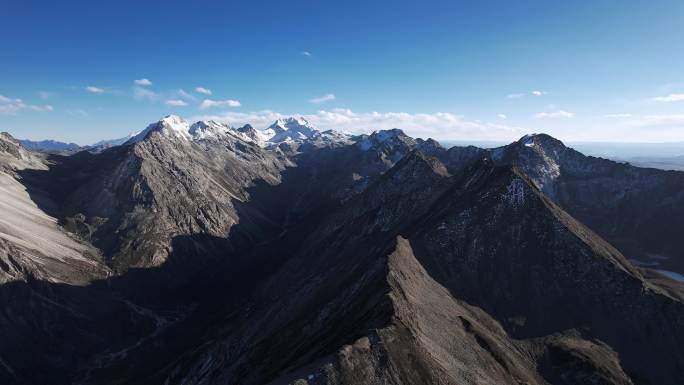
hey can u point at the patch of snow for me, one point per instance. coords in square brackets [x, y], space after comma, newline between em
[290, 129]
[207, 129]
[378, 138]
[515, 192]
[171, 126]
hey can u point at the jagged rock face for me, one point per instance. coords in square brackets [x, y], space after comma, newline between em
[290, 130]
[15, 157]
[48, 323]
[390, 145]
[32, 244]
[638, 209]
[536, 284]
[136, 198]
[255, 135]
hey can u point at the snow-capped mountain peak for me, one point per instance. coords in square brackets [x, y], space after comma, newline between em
[543, 141]
[290, 130]
[293, 123]
[253, 134]
[384, 135]
[293, 130]
[386, 138]
[175, 126]
[208, 129]
[172, 126]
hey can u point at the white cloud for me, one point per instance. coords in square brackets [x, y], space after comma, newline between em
[208, 103]
[515, 96]
[556, 114]
[176, 103]
[203, 90]
[617, 116]
[322, 99]
[523, 94]
[502, 116]
[45, 108]
[145, 93]
[141, 93]
[440, 125]
[669, 98]
[143, 82]
[306, 53]
[10, 106]
[94, 90]
[185, 95]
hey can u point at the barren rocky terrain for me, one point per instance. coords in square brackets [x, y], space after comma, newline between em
[206, 254]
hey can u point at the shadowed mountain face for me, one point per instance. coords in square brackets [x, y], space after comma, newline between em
[205, 254]
[639, 210]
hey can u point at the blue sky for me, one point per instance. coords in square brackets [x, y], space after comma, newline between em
[458, 70]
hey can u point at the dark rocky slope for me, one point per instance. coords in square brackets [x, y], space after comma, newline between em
[387, 260]
[402, 293]
[132, 200]
[640, 210]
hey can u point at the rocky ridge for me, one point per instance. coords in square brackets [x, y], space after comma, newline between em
[221, 256]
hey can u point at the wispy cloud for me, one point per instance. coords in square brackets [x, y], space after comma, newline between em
[502, 116]
[306, 53]
[208, 103]
[77, 112]
[669, 98]
[176, 103]
[95, 90]
[439, 125]
[523, 94]
[203, 90]
[555, 114]
[142, 93]
[323, 99]
[171, 97]
[11, 106]
[45, 108]
[143, 82]
[617, 116]
[185, 95]
[515, 96]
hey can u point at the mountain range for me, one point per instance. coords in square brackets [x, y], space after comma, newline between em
[208, 254]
